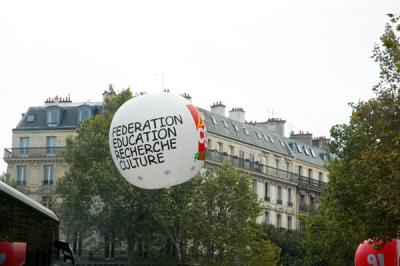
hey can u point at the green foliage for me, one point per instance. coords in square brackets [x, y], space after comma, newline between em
[6, 178]
[362, 199]
[211, 219]
[365, 176]
[327, 241]
[291, 243]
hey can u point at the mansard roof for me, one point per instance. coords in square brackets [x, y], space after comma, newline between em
[288, 147]
[35, 118]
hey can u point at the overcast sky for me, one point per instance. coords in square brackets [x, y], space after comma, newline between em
[302, 61]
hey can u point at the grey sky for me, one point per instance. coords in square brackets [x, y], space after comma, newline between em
[303, 59]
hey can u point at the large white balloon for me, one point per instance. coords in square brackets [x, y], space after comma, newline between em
[158, 140]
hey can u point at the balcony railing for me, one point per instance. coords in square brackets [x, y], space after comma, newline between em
[307, 182]
[31, 153]
[218, 157]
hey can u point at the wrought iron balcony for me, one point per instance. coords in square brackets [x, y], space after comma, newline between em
[33, 153]
[214, 156]
[218, 157]
[306, 182]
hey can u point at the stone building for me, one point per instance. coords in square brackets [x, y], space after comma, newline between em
[288, 172]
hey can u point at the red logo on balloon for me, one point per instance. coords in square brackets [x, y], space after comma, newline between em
[202, 141]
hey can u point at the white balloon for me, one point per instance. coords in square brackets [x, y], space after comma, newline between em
[158, 140]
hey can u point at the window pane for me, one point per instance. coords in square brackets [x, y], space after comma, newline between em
[24, 145]
[21, 175]
[84, 113]
[51, 145]
[48, 174]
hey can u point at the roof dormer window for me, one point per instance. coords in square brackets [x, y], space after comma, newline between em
[312, 153]
[246, 131]
[271, 139]
[306, 151]
[213, 120]
[258, 135]
[31, 118]
[53, 117]
[225, 124]
[298, 148]
[84, 112]
[235, 127]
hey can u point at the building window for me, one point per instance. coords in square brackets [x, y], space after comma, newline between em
[241, 158]
[312, 203]
[279, 199]
[289, 192]
[310, 173]
[264, 164]
[266, 192]
[51, 144]
[31, 118]
[53, 117]
[264, 137]
[281, 142]
[306, 151]
[277, 167]
[46, 201]
[84, 112]
[320, 177]
[312, 153]
[298, 148]
[254, 183]
[209, 144]
[258, 135]
[48, 174]
[287, 169]
[300, 170]
[214, 121]
[289, 222]
[303, 205]
[24, 145]
[235, 127]
[225, 124]
[21, 175]
[231, 150]
[246, 131]
[278, 221]
[266, 217]
[220, 147]
[271, 139]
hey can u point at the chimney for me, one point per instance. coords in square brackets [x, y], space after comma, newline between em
[275, 125]
[302, 137]
[218, 108]
[237, 114]
[187, 96]
[321, 142]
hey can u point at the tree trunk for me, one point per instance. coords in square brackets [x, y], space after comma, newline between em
[178, 251]
[131, 250]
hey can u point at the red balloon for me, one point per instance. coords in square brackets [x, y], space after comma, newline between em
[367, 255]
[12, 253]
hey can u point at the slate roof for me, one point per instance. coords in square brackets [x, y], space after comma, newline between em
[69, 116]
[69, 120]
[288, 149]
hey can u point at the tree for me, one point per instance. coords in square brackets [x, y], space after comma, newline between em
[365, 176]
[209, 219]
[225, 230]
[291, 243]
[6, 178]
